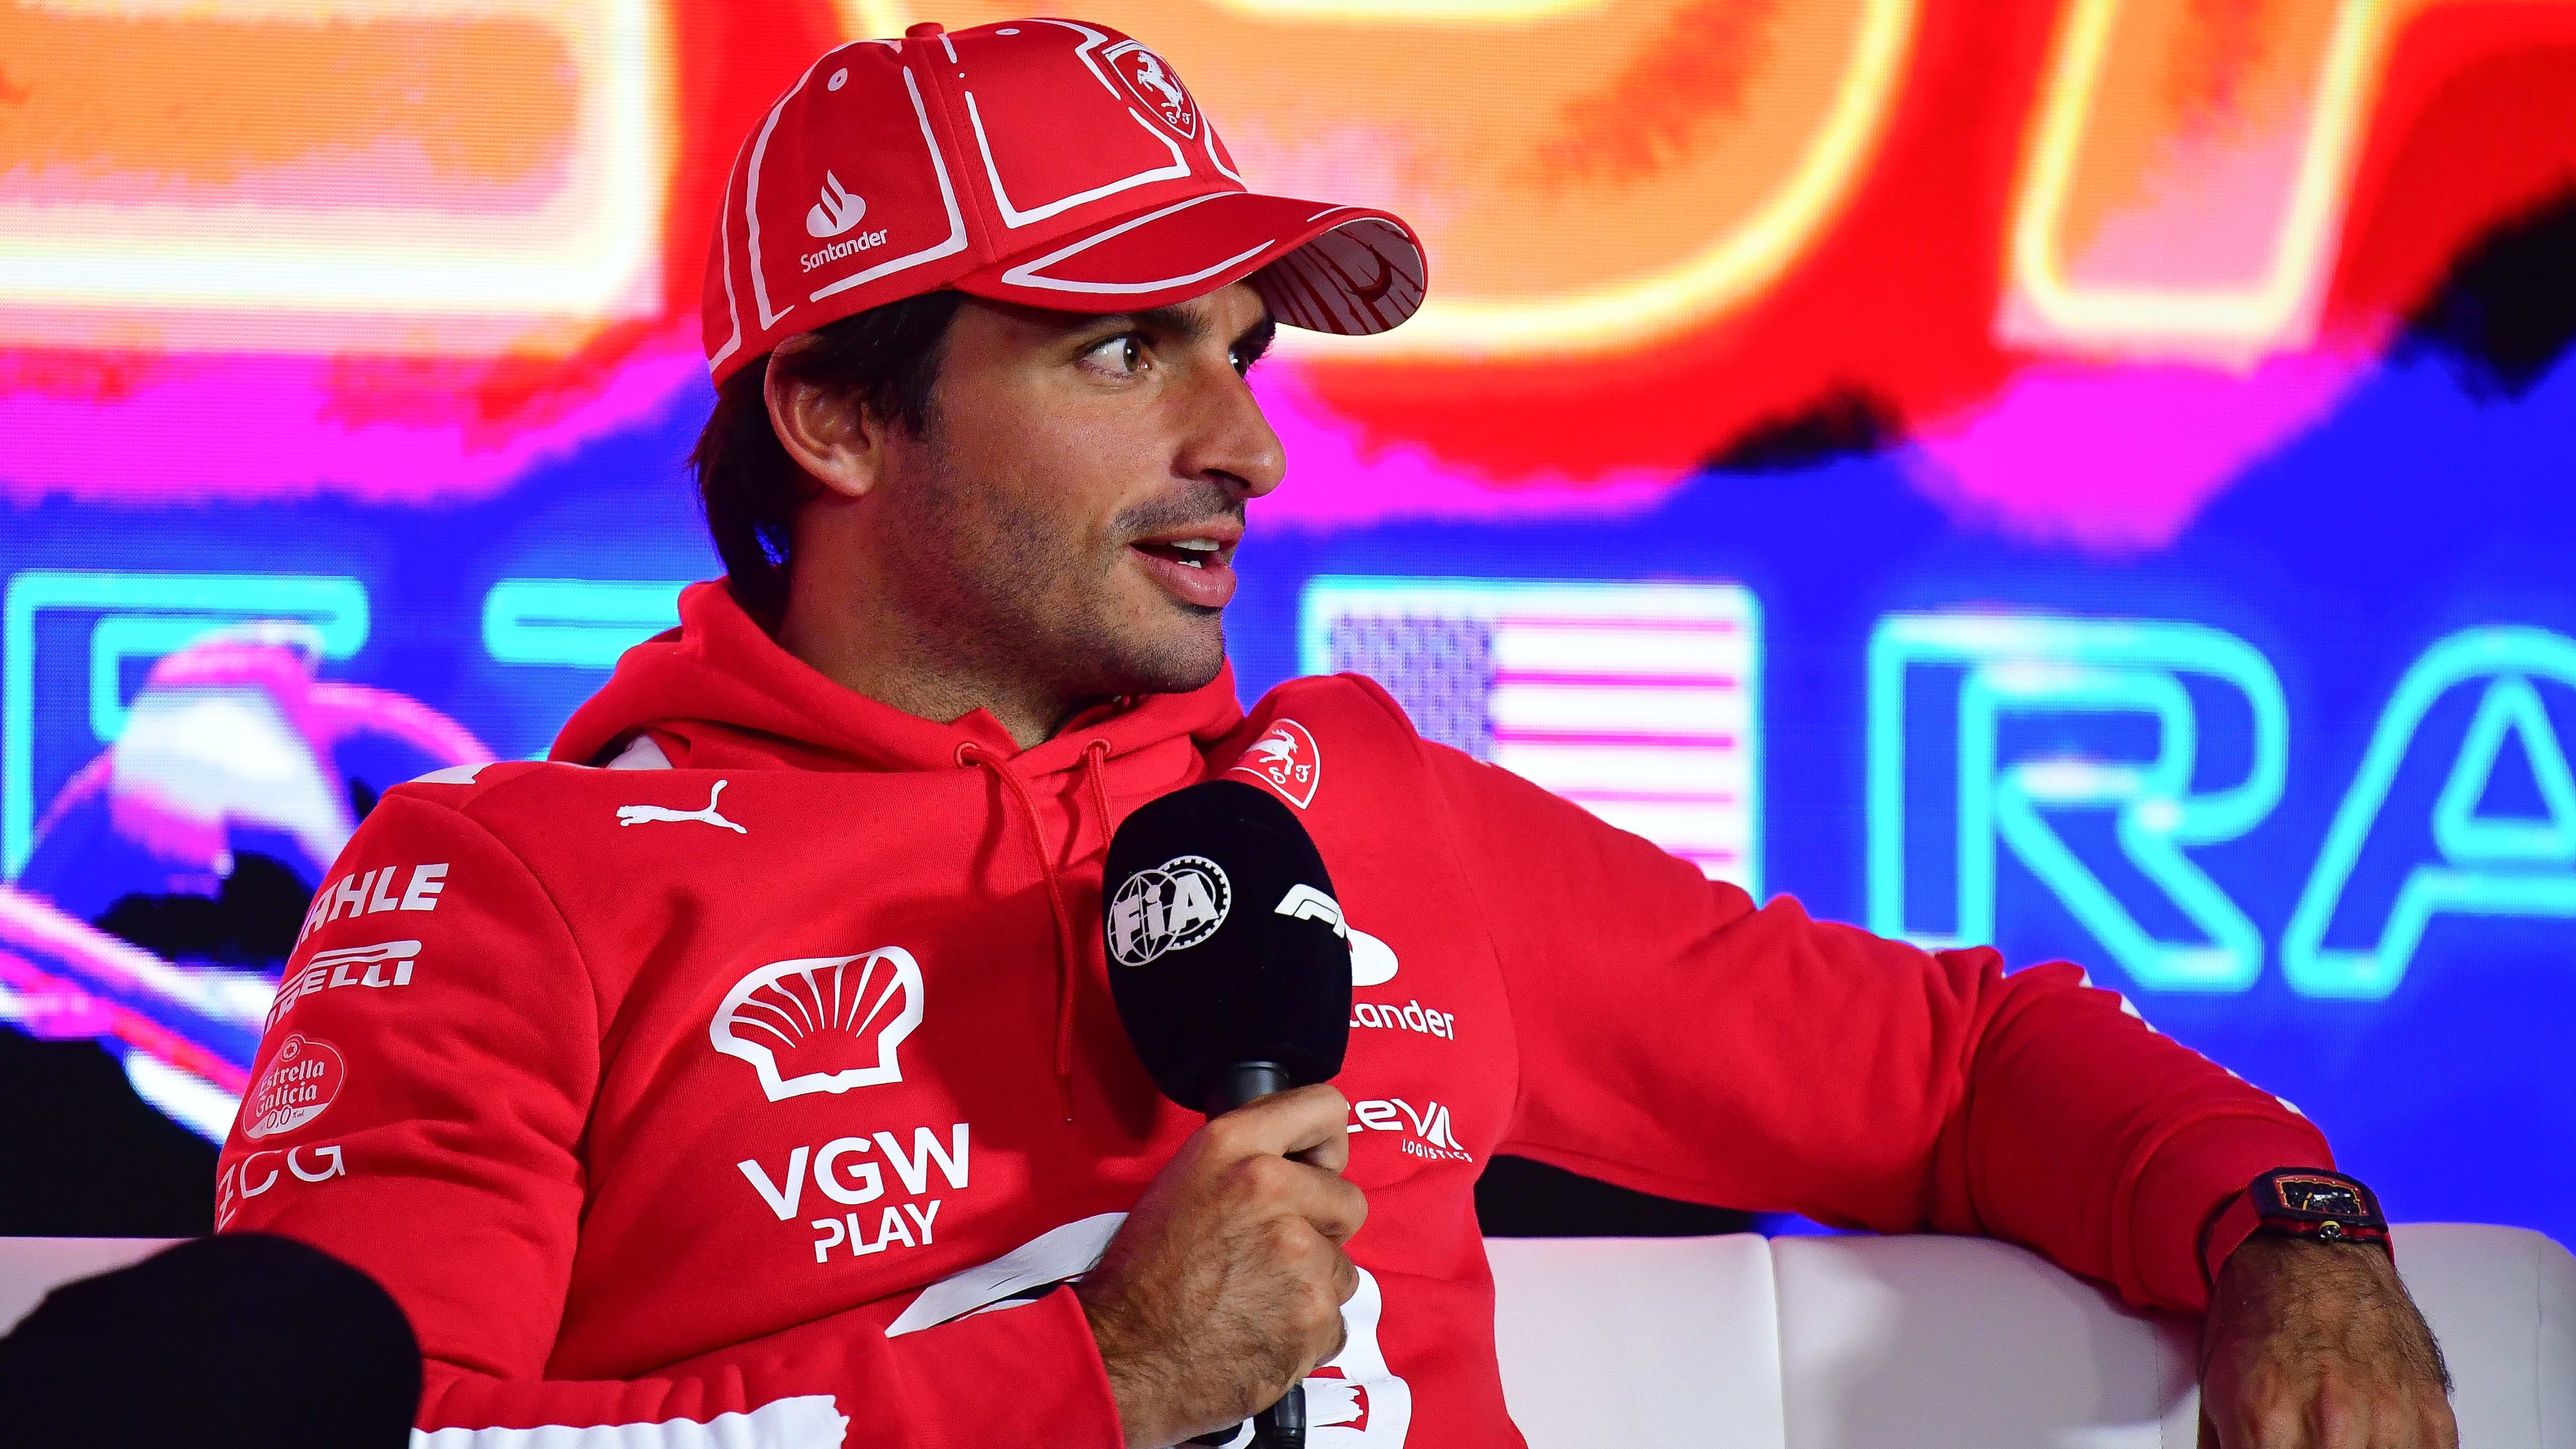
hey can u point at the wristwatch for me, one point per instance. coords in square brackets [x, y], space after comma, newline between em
[2296, 1202]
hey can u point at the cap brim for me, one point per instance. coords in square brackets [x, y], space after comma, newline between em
[1326, 268]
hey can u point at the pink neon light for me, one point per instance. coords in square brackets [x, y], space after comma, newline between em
[2120, 459]
[1338, 478]
[195, 429]
[23, 922]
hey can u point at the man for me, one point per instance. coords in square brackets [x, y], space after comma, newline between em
[750, 1069]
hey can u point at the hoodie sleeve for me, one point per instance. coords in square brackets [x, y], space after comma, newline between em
[1676, 1039]
[429, 1132]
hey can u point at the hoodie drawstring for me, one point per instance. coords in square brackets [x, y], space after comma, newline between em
[1093, 756]
[1095, 763]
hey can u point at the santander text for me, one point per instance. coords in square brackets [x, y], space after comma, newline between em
[1412, 1016]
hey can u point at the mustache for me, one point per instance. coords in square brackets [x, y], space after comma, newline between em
[1196, 503]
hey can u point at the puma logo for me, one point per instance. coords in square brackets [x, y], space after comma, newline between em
[640, 814]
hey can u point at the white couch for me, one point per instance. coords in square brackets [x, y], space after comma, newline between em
[1930, 1343]
[1877, 1343]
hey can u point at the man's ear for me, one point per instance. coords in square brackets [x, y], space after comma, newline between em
[828, 434]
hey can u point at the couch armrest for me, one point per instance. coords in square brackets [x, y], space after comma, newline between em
[31, 1267]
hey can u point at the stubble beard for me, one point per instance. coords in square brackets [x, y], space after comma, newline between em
[1029, 600]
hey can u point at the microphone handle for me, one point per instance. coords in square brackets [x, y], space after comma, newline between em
[1283, 1424]
[1243, 1084]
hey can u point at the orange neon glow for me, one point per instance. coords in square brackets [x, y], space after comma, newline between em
[2187, 172]
[360, 175]
[1590, 174]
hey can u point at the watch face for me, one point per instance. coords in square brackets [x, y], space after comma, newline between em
[2322, 1197]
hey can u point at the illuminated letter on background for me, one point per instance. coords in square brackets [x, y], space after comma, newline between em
[2488, 867]
[2187, 170]
[2036, 665]
[138, 615]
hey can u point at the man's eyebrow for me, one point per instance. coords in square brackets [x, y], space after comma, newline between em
[1182, 324]
[1175, 321]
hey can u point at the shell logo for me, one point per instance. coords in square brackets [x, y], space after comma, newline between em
[822, 1023]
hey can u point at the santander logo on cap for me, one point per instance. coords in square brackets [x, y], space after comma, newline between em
[836, 213]
[1050, 162]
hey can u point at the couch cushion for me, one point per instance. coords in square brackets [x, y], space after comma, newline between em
[1620, 1341]
[1936, 1342]
[2503, 1303]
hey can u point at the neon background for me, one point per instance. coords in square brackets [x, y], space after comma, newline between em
[2131, 441]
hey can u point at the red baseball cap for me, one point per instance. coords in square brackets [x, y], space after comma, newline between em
[1050, 162]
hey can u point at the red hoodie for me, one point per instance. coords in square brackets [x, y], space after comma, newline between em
[731, 1088]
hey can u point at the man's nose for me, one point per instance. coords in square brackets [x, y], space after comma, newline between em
[1229, 441]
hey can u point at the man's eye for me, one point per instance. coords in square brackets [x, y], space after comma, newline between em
[1121, 354]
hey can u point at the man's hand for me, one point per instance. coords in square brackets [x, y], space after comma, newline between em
[1227, 1282]
[2317, 1346]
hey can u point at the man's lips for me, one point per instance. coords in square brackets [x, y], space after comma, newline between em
[1195, 566]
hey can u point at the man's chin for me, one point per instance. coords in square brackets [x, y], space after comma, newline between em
[1170, 665]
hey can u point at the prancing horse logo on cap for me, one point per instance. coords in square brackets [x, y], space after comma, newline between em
[1153, 83]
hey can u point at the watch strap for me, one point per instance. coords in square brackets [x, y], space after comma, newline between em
[2244, 1216]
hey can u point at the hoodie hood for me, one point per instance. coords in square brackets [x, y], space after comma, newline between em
[718, 693]
[720, 686]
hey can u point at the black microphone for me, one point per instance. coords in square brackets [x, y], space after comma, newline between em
[1229, 964]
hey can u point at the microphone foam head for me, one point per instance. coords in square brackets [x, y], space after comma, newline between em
[1225, 940]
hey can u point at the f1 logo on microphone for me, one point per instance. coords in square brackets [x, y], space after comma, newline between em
[1372, 960]
[1305, 903]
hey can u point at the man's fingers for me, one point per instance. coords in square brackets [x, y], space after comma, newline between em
[1334, 1206]
[2339, 1417]
[1309, 1122]
[2403, 1421]
[1333, 1154]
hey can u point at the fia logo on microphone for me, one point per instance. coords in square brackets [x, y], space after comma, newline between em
[1172, 907]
